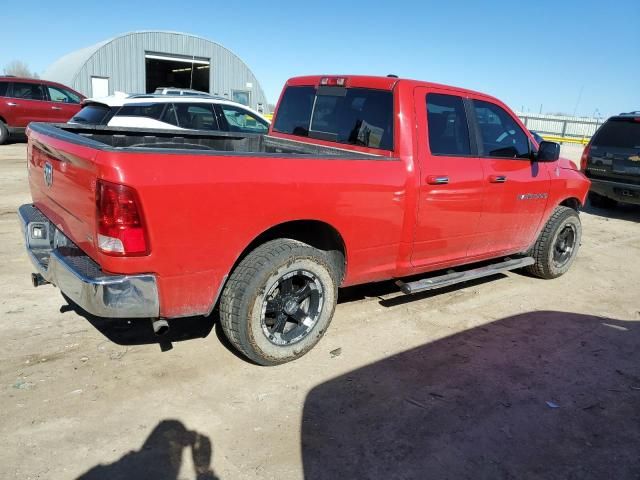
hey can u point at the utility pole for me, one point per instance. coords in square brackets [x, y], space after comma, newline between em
[578, 101]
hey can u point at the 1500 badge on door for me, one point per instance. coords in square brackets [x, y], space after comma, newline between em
[532, 196]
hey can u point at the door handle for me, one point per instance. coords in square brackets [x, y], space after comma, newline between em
[56, 108]
[497, 178]
[437, 179]
[11, 104]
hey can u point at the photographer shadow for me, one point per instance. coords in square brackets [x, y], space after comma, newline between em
[160, 457]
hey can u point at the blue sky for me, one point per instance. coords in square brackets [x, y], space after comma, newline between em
[527, 54]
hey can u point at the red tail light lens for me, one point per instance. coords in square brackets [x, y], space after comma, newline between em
[585, 157]
[120, 224]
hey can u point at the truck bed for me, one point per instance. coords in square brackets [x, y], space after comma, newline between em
[166, 141]
[206, 196]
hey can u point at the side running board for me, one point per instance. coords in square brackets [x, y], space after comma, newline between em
[452, 278]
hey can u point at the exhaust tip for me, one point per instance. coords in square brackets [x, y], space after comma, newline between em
[160, 327]
[37, 280]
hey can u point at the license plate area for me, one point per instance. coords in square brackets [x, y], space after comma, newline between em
[40, 235]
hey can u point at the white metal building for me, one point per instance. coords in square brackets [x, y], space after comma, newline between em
[139, 62]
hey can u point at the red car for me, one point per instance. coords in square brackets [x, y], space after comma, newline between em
[361, 179]
[24, 100]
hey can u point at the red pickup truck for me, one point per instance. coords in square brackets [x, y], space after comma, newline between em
[360, 179]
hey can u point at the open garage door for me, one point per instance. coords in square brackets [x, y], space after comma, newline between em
[164, 70]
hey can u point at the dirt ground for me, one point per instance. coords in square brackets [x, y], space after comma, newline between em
[510, 377]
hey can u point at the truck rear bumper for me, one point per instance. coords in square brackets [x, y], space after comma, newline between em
[622, 192]
[63, 264]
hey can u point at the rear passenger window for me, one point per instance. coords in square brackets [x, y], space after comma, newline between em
[170, 116]
[447, 124]
[500, 134]
[196, 116]
[149, 110]
[28, 91]
[3, 88]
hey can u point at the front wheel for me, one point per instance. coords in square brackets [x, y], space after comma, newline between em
[279, 301]
[557, 246]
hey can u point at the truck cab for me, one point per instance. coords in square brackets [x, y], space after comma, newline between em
[480, 188]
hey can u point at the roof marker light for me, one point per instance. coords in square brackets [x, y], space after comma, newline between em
[333, 81]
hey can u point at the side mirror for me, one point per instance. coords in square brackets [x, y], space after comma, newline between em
[548, 152]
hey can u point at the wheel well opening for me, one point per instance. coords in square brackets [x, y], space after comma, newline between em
[571, 203]
[318, 234]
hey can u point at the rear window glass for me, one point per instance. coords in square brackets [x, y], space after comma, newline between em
[619, 132]
[3, 88]
[355, 116]
[92, 115]
[149, 110]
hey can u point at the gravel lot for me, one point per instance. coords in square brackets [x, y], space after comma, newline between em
[511, 377]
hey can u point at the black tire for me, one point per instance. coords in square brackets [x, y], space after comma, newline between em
[599, 201]
[4, 133]
[553, 252]
[259, 295]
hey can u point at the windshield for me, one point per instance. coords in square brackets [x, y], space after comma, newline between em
[355, 116]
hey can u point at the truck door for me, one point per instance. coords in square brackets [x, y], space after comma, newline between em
[451, 179]
[516, 188]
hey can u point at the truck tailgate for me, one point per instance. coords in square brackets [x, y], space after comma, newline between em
[62, 179]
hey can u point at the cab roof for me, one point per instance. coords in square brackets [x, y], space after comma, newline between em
[378, 82]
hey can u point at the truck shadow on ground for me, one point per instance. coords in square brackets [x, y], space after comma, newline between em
[160, 457]
[630, 213]
[137, 331]
[537, 395]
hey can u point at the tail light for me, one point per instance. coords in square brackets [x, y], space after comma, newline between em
[585, 157]
[121, 229]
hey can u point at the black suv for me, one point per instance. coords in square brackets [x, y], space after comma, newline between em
[611, 160]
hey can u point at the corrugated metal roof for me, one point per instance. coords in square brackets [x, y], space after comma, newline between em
[121, 60]
[66, 68]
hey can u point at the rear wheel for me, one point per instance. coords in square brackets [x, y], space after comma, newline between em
[558, 243]
[279, 301]
[4, 133]
[599, 201]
